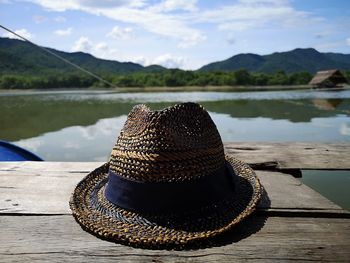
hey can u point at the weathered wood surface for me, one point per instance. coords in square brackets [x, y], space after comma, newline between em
[293, 224]
[44, 188]
[279, 239]
[293, 155]
[297, 155]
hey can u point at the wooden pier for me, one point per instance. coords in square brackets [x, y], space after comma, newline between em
[292, 222]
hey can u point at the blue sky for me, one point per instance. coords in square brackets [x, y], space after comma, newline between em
[180, 33]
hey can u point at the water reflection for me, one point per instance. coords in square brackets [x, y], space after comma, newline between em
[27, 116]
[145, 97]
[327, 104]
[292, 110]
[345, 128]
[77, 143]
[94, 142]
[332, 184]
[83, 126]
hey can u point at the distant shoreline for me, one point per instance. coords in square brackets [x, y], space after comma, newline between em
[165, 89]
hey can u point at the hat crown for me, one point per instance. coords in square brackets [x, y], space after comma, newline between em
[175, 144]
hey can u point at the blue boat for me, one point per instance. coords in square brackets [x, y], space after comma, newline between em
[10, 152]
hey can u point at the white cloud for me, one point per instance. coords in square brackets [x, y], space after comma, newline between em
[59, 5]
[148, 17]
[82, 44]
[276, 2]
[22, 32]
[63, 32]
[60, 19]
[172, 5]
[169, 61]
[111, 3]
[247, 14]
[121, 33]
[102, 46]
[100, 50]
[188, 5]
[348, 41]
[141, 60]
[329, 46]
[191, 40]
[167, 25]
[237, 25]
[179, 19]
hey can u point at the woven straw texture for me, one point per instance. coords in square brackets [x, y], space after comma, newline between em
[179, 143]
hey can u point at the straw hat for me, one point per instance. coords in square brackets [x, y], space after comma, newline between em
[168, 182]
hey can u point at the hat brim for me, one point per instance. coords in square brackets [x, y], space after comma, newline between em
[105, 220]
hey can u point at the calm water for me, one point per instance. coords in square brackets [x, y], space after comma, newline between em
[83, 126]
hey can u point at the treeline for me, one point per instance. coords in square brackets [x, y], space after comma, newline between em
[46, 82]
[176, 78]
[169, 78]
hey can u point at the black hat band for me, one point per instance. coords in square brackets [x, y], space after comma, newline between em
[180, 196]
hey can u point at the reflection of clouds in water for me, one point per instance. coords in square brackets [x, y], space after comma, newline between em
[144, 97]
[95, 142]
[78, 143]
[30, 144]
[102, 127]
[71, 145]
[345, 129]
[321, 124]
[69, 156]
[266, 129]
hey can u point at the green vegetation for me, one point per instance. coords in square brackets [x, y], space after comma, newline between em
[297, 60]
[24, 66]
[19, 57]
[45, 82]
[168, 78]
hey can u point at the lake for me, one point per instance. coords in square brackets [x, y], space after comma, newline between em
[84, 125]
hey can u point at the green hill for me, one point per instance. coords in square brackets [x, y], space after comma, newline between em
[25, 66]
[297, 60]
[17, 56]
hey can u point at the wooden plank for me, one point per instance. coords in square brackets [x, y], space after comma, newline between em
[41, 167]
[296, 155]
[284, 192]
[44, 188]
[258, 239]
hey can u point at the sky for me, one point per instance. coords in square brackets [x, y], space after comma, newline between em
[180, 33]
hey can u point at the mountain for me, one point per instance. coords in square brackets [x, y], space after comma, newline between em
[17, 56]
[307, 59]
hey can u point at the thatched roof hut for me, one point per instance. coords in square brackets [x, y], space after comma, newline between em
[328, 79]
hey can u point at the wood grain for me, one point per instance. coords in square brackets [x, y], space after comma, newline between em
[296, 155]
[44, 188]
[293, 222]
[59, 239]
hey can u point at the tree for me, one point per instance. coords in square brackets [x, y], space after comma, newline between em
[260, 79]
[279, 78]
[300, 78]
[243, 77]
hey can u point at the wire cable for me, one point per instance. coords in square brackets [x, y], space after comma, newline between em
[61, 58]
